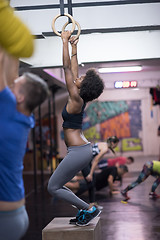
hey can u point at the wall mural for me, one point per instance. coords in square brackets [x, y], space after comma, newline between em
[120, 118]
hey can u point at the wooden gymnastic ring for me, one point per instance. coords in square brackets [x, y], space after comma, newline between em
[67, 15]
[79, 28]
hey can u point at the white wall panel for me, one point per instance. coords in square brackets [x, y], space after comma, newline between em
[118, 16]
[99, 47]
[121, 16]
[120, 46]
[20, 3]
[42, 2]
[39, 21]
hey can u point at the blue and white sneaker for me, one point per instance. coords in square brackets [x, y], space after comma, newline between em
[74, 220]
[85, 218]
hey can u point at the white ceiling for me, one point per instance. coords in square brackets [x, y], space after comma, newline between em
[113, 33]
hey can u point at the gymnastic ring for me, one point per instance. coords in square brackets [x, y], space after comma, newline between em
[59, 15]
[79, 28]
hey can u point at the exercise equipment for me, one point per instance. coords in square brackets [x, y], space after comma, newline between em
[79, 28]
[70, 20]
[59, 15]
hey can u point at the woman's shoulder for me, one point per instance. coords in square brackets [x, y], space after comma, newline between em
[102, 145]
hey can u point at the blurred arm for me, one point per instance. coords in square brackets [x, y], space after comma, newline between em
[74, 60]
[71, 87]
[15, 37]
[94, 164]
[9, 67]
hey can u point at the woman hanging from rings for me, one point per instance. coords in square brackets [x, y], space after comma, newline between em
[81, 90]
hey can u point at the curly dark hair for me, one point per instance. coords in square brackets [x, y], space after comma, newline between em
[113, 139]
[92, 86]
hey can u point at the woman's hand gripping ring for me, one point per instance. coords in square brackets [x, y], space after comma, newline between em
[79, 29]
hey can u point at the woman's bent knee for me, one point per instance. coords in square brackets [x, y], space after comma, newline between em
[51, 189]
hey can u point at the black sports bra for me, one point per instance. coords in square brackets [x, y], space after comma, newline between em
[73, 121]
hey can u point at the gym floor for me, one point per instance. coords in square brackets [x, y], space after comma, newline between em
[139, 219]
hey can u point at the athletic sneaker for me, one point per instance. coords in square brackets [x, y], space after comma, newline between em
[124, 194]
[153, 195]
[100, 207]
[96, 205]
[85, 218]
[74, 220]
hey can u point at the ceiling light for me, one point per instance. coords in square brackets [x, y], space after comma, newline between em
[120, 69]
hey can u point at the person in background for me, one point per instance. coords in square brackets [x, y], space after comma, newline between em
[16, 105]
[110, 174]
[99, 150]
[117, 161]
[150, 168]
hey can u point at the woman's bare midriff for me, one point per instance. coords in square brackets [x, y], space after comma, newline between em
[74, 137]
[9, 206]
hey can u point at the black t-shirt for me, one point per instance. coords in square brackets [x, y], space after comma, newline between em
[101, 179]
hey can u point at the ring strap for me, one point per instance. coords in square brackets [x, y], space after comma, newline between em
[62, 7]
[70, 9]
